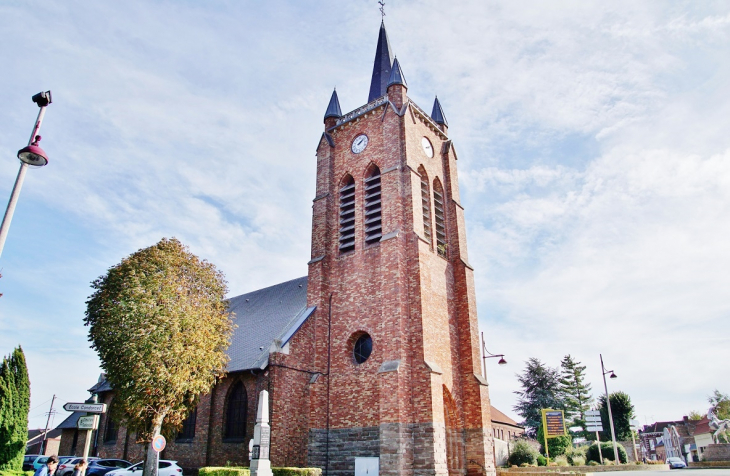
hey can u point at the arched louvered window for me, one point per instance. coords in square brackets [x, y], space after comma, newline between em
[438, 213]
[347, 215]
[111, 431]
[237, 405]
[187, 432]
[373, 218]
[425, 204]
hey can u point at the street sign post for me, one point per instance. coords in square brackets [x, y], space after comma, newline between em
[85, 407]
[88, 422]
[593, 423]
[553, 425]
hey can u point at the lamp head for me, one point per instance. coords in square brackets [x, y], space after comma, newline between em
[33, 154]
[502, 361]
[613, 375]
[43, 98]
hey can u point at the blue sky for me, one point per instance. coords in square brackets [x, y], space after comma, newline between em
[594, 163]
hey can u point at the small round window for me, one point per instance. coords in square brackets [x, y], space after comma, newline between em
[363, 348]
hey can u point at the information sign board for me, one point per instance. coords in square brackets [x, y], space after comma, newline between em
[87, 422]
[553, 423]
[85, 407]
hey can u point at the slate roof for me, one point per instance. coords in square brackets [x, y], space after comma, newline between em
[333, 108]
[71, 420]
[396, 74]
[263, 317]
[381, 66]
[438, 113]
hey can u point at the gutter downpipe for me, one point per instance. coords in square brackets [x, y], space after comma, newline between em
[329, 377]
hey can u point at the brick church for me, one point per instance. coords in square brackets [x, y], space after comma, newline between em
[374, 354]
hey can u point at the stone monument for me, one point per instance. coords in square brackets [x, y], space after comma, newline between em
[260, 464]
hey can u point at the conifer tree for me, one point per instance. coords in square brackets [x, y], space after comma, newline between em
[576, 392]
[540, 389]
[14, 407]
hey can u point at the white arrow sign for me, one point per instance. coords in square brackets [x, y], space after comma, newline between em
[87, 422]
[592, 419]
[594, 428]
[593, 413]
[85, 407]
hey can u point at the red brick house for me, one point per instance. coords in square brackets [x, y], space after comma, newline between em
[376, 352]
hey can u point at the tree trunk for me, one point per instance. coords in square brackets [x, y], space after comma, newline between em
[150, 462]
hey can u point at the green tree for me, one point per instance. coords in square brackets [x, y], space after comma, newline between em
[557, 445]
[161, 327]
[14, 407]
[694, 415]
[720, 404]
[576, 392]
[623, 412]
[540, 389]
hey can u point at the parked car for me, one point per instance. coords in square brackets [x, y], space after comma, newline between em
[66, 467]
[28, 462]
[676, 463]
[100, 467]
[38, 462]
[167, 468]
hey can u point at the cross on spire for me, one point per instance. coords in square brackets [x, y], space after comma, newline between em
[382, 8]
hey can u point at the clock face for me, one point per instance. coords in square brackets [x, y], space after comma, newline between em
[359, 144]
[427, 147]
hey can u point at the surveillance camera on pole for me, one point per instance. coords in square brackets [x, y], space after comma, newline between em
[30, 155]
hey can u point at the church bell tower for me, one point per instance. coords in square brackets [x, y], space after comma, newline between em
[394, 336]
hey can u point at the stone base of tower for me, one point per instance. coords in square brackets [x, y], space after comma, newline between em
[403, 450]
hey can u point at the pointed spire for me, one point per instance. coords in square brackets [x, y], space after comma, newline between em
[396, 74]
[333, 109]
[438, 113]
[381, 66]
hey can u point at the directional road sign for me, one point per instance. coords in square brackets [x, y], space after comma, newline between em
[85, 407]
[87, 422]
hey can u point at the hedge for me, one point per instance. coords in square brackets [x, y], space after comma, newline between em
[606, 451]
[7, 472]
[239, 471]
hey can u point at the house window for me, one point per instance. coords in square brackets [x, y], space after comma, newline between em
[373, 222]
[438, 207]
[236, 408]
[347, 215]
[187, 432]
[425, 204]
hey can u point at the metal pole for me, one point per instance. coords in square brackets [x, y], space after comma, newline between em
[48, 420]
[484, 358]
[610, 415]
[10, 210]
[598, 443]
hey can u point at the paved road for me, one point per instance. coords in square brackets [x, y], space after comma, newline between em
[675, 472]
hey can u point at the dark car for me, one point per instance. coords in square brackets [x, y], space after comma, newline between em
[28, 462]
[66, 467]
[676, 463]
[103, 466]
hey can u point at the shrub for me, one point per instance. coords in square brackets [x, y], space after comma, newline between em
[8, 472]
[239, 471]
[224, 471]
[541, 460]
[573, 453]
[593, 463]
[523, 453]
[561, 461]
[297, 471]
[578, 461]
[606, 451]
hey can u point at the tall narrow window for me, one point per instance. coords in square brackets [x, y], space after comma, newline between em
[187, 432]
[236, 412]
[438, 209]
[110, 433]
[373, 217]
[347, 215]
[425, 204]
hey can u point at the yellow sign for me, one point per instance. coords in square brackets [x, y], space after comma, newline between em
[553, 423]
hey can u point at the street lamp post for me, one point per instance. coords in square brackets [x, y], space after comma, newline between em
[608, 404]
[490, 356]
[31, 155]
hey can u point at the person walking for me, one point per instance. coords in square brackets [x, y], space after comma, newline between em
[80, 468]
[49, 468]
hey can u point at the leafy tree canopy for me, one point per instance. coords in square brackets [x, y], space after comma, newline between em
[720, 404]
[557, 446]
[14, 407]
[623, 412]
[575, 391]
[160, 325]
[694, 415]
[540, 389]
